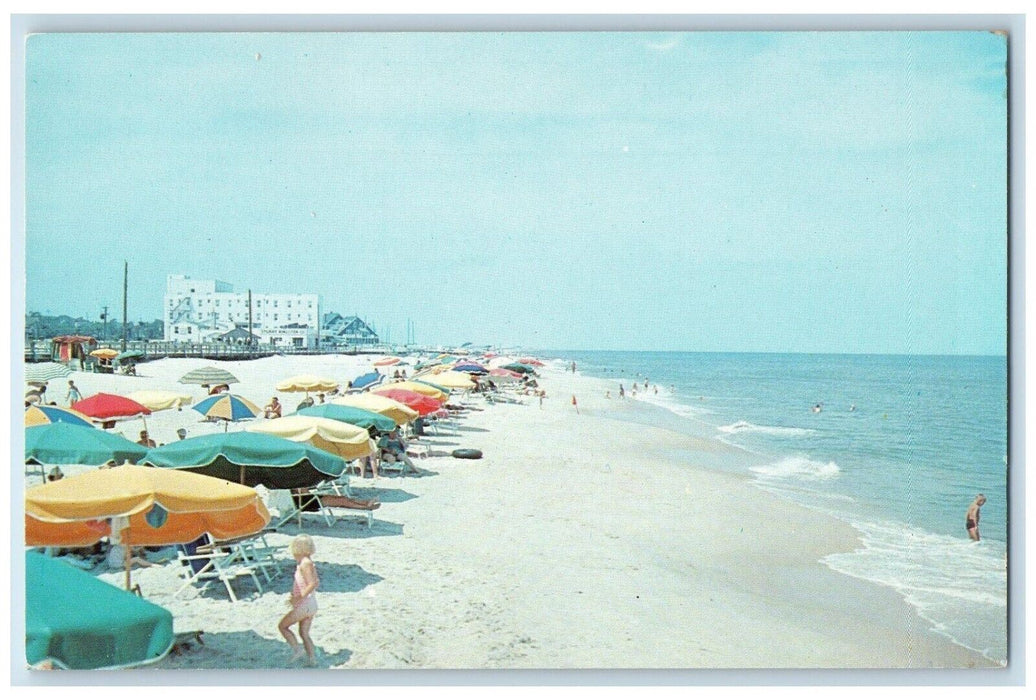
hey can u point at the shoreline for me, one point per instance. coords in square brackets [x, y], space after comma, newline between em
[739, 462]
[578, 541]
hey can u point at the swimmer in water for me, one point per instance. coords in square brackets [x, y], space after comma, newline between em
[817, 409]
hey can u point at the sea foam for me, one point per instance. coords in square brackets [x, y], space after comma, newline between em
[743, 426]
[958, 585]
[799, 468]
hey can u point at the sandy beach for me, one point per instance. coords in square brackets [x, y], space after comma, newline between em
[579, 541]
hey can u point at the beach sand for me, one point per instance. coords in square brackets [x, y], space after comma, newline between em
[578, 541]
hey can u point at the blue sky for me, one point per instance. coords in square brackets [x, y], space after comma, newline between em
[809, 192]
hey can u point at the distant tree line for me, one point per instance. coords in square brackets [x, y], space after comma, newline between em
[40, 326]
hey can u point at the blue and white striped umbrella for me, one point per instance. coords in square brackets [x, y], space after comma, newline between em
[227, 407]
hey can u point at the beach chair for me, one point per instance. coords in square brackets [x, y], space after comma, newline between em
[330, 503]
[257, 553]
[201, 564]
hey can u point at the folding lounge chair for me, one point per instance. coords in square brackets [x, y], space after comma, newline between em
[325, 501]
[213, 565]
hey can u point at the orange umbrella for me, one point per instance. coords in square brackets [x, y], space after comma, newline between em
[143, 505]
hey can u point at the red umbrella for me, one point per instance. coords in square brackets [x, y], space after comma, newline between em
[501, 372]
[110, 407]
[419, 402]
[530, 361]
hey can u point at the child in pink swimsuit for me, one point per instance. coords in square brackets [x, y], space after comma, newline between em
[303, 600]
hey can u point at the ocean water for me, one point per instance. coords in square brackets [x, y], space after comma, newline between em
[900, 447]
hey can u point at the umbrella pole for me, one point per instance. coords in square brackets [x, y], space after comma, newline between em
[242, 475]
[127, 559]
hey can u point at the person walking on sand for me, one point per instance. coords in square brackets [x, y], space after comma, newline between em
[573, 367]
[622, 392]
[972, 516]
[303, 600]
[575, 404]
[73, 393]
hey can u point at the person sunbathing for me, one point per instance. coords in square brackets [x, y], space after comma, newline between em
[272, 409]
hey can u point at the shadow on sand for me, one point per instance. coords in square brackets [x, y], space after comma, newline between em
[347, 527]
[244, 650]
[385, 495]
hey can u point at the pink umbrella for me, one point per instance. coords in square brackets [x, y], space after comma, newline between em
[387, 361]
[419, 402]
[530, 361]
[501, 372]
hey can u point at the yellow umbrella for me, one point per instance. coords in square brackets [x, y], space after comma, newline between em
[307, 383]
[105, 353]
[413, 386]
[345, 440]
[401, 413]
[158, 400]
[146, 505]
[451, 380]
[43, 415]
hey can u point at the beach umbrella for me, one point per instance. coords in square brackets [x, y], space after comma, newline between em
[158, 400]
[366, 380]
[46, 371]
[503, 375]
[109, 407]
[450, 379]
[307, 383]
[139, 506]
[500, 361]
[444, 389]
[351, 415]
[398, 412]
[470, 368]
[249, 458]
[418, 402]
[342, 439]
[207, 376]
[64, 443]
[227, 407]
[43, 415]
[519, 367]
[78, 622]
[387, 361]
[532, 361]
[129, 355]
[437, 393]
[105, 353]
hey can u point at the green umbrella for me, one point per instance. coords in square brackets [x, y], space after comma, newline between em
[250, 459]
[79, 622]
[519, 367]
[350, 414]
[64, 443]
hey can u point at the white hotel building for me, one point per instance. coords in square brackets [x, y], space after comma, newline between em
[201, 311]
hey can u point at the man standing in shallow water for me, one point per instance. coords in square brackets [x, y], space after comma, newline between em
[972, 516]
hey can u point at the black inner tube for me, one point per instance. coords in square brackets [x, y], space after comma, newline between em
[467, 453]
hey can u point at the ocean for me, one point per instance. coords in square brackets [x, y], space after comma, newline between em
[899, 449]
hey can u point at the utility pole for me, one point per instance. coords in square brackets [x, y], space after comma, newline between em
[250, 341]
[125, 289]
[104, 317]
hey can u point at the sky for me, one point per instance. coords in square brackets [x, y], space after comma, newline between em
[710, 191]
